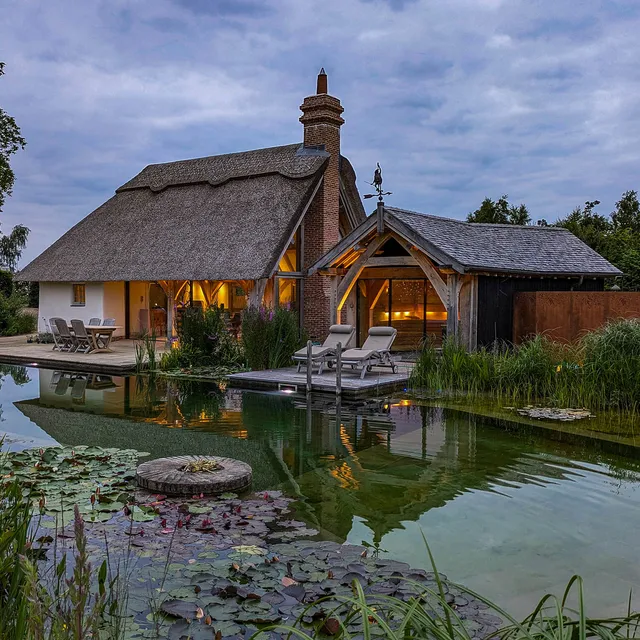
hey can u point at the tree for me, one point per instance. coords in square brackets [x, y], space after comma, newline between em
[627, 213]
[10, 142]
[616, 237]
[11, 247]
[500, 212]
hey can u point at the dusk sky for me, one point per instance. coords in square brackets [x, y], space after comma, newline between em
[457, 99]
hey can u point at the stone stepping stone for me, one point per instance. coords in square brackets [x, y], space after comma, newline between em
[171, 476]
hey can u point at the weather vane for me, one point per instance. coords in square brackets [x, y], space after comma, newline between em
[377, 185]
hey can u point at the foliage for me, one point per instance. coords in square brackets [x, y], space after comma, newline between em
[11, 247]
[15, 512]
[270, 337]
[616, 237]
[500, 212]
[146, 352]
[10, 142]
[72, 611]
[601, 370]
[204, 341]
[13, 320]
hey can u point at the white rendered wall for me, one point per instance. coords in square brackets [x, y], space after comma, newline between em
[113, 305]
[56, 297]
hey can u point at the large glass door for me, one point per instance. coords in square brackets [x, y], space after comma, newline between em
[408, 313]
[411, 305]
[373, 306]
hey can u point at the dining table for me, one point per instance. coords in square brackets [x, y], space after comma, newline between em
[100, 336]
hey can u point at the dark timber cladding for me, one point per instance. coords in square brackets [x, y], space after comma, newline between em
[496, 296]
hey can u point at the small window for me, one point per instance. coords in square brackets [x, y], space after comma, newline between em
[78, 298]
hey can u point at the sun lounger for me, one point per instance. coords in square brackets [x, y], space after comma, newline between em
[376, 351]
[325, 353]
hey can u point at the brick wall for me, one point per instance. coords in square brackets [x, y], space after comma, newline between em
[322, 120]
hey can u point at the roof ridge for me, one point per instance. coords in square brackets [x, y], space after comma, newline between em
[424, 215]
[224, 155]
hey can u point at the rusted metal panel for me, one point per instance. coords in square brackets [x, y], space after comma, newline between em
[566, 315]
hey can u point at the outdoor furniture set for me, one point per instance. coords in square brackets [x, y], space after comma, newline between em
[80, 338]
[376, 350]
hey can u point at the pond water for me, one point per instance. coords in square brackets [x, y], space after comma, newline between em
[510, 511]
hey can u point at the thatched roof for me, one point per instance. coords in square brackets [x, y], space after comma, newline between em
[478, 247]
[224, 217]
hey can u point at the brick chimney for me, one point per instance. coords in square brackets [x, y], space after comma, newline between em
[322, 119]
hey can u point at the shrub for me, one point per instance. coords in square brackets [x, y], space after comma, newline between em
[13, 320]
[204, 342]
[270, 337]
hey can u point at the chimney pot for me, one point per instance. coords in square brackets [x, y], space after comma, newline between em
[322, 86]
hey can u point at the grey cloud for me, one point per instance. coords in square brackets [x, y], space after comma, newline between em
[220, 8]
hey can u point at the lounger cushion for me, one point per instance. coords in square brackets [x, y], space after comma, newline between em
[316, 352]
[357, 355]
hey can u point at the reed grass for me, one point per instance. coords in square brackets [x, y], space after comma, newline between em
[599, 371]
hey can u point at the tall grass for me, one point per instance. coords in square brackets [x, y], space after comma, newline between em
[599, 371]
[146, 352]
[15, 541]
[270, 337]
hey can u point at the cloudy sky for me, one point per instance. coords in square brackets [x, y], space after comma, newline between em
[457, 99]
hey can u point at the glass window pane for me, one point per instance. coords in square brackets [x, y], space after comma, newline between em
[79, 293]
[407, 313]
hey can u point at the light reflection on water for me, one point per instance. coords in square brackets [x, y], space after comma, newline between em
[510, 512]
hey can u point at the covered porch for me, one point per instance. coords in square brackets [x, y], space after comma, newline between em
[384, 273]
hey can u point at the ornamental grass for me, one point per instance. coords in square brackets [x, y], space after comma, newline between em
[599, 371]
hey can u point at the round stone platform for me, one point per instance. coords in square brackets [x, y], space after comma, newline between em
[168, 475]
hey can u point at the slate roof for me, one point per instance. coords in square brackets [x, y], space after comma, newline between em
[479, 247]
[225, 217]
[507, 248]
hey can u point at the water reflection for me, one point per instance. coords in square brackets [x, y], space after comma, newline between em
[382, 462]
[509, 510]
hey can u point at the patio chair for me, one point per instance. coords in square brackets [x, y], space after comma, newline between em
[67, 342]
[376, 351]
[325, 353]
[95, 322]
[103, 338]
[83, 344]
[53, 330]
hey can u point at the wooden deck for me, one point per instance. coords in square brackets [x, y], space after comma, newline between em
[121, 359]
[379, 381]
